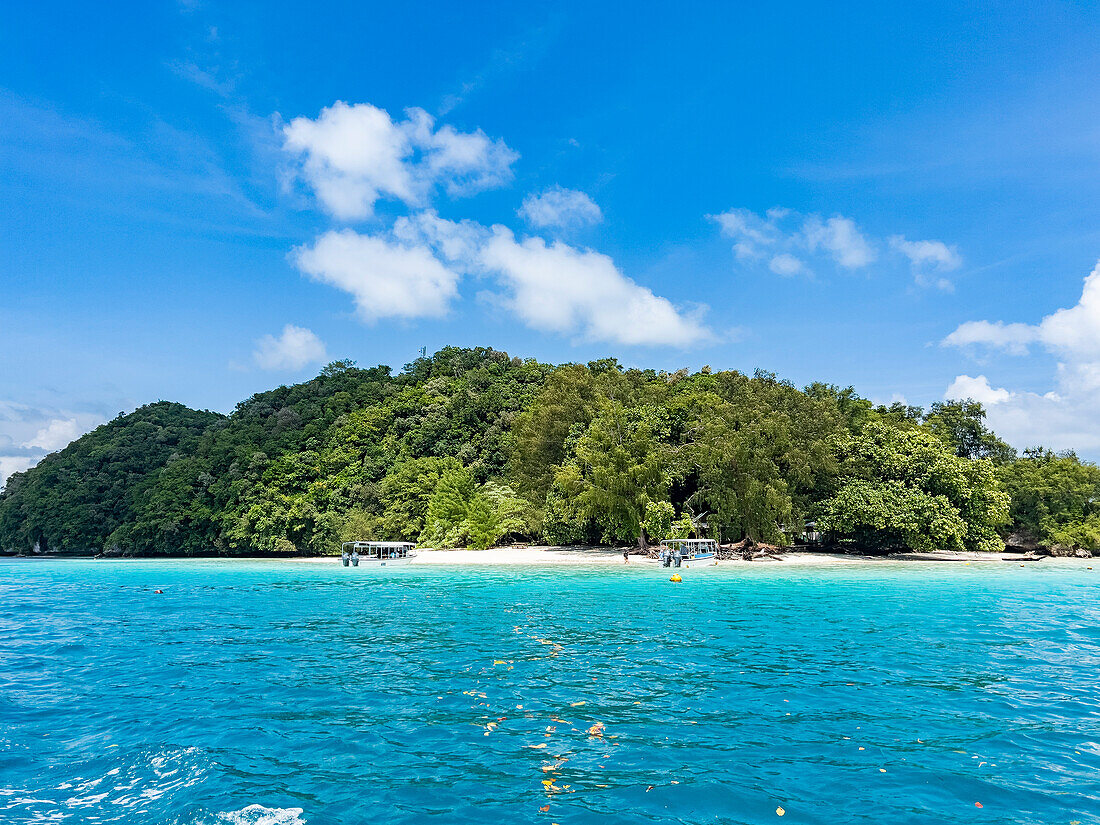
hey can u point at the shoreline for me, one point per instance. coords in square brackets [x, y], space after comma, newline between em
[608, 556]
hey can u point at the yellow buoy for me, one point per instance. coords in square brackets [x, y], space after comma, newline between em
[675, 578]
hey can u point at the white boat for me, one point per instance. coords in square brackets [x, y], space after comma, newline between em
[377, 553]
[685, 552]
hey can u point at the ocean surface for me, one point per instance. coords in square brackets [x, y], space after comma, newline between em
[279, 693]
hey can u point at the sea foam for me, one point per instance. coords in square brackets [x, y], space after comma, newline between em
[259, 815]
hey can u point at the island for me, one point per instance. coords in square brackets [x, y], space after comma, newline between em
[473, 448]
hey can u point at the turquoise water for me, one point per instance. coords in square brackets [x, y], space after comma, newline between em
[281, 692]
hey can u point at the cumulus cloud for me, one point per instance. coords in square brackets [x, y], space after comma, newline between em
[28, 434]
[458, 243]
[1077, 330]
[1073, 332]
[296, 348]
[1058, 420]
[977, 389]
[560, 288]
[57, 433]
[354, 155]
[1064, 418]
[468, 162]
[556, 287]
[386, 277]
[557, 206]
[1011, 337]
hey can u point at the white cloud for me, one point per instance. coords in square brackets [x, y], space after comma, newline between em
[563, 289]
[28, 434]
[927, 259]
[841, 238]
[1011, 337]
[556, 287]
[751, 232]
[458, 243]
[1076, 330]
[57, 433]
[387, 278]
[928, 254]
[355, 155]
[557, 206]
[468, 163]
[792, 244]
[784, 238]
[10, 464]
[294, 349]
[786, 264]
[1073, 332]
[977, 389]
[1061, 419]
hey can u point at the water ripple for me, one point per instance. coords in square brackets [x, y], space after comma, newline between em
[266, 693]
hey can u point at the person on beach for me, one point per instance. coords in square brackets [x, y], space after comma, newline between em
[626, 555]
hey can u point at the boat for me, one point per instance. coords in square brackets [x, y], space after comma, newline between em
[377, 553]
[684, 552]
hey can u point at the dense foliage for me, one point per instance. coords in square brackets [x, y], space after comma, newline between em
[471, 447]
[75, 499]
[1055, 498]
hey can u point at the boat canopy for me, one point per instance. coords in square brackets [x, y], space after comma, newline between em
[695, 544]
[380, 549]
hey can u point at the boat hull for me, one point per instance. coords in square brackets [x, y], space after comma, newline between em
[708, 560]
[401, 562]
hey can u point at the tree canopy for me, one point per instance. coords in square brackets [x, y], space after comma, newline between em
[471, 447]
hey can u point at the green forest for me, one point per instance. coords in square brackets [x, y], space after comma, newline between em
[473, 448]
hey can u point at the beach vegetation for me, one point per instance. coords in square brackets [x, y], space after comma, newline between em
[904, 488]
[473, 447]
[1055, 497]
[658, 520]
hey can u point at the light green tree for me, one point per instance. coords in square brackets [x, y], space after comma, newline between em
[445, 522]
[658, 520]
[1055, 497]
[905, 489]
[481, 525]
[683, 527]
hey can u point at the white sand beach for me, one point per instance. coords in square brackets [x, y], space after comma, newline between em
[505, 556]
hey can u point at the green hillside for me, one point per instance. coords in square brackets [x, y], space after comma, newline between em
[471, 447]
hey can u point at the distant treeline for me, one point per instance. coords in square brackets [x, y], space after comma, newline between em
[471, 448]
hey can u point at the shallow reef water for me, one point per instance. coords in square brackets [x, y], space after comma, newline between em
[278, 693]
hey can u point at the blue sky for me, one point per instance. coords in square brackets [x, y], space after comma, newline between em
[201, 200]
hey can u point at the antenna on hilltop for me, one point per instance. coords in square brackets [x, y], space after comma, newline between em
[423, 352]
